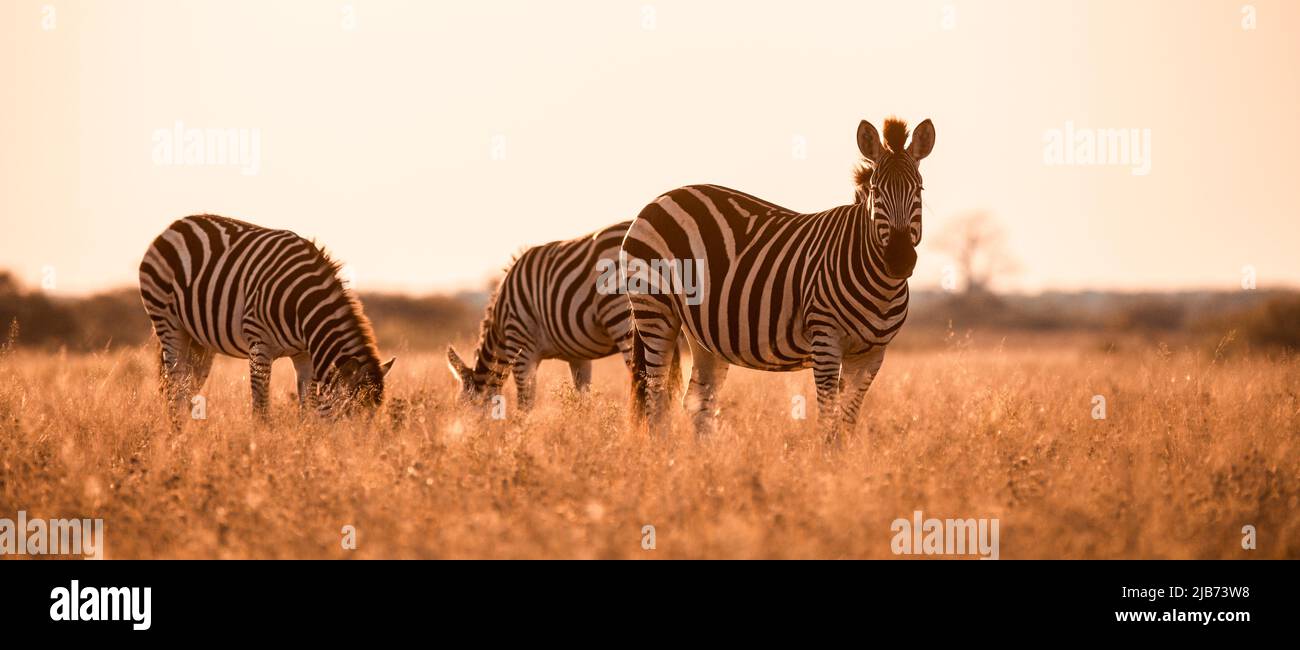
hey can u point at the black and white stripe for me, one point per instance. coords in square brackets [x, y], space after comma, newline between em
[551, 305]
[212, 284]
[780, 290]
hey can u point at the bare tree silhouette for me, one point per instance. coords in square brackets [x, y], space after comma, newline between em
[977, 245]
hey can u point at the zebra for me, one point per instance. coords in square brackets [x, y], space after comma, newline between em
[214, 284]
[557, 301]
[781, 291]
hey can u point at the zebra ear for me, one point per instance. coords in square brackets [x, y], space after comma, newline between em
[457, 367]
[869, 142]
[922, 141]
[388, 365]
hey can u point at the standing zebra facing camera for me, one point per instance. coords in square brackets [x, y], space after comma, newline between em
[212, 284]
[554, 303]
[779, 290]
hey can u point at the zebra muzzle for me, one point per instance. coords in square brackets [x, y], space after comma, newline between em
[900, 255]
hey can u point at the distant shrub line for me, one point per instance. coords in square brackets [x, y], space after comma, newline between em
[1268, 319]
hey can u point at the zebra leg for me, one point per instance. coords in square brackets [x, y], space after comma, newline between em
[525, 380]
[708, 372]
[826, 374]
[657, 327]
[200, 364]
[617, 320]
[259, 375]
[673, 381]
[859, 372]
[581, 371]
[306, 383]
[175, 373]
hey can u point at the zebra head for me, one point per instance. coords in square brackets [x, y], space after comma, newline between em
[889, 184]
[476, 383]
[354, 384]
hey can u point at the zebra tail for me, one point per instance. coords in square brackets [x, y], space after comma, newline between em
[162, 369]
[674, 381]
[640, 391]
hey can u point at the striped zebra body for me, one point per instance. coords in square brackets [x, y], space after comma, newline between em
[212, 284]
[780, 290]
[773, 279]
[550, 305]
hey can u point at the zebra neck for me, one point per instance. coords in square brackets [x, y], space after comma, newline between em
[492, 354]
[499, 326]
[866, 258]
[334, 330]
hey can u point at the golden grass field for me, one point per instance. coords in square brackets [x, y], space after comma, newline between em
[1192, 449]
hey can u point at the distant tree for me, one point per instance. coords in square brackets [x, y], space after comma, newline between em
[40, 320]
[9, 284]
[977, 245]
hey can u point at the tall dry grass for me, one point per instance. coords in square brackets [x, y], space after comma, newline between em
[1191, 450]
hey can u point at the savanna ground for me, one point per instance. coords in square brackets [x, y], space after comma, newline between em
[1193, 447]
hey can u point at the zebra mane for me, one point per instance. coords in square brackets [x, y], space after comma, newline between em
[895, 134]
[326, 262]
[489, 314]
[862, 177]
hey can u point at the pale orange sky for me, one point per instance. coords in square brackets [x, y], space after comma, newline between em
[378, 123]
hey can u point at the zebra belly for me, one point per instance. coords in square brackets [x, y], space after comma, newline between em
[797, 356]
[580, 356]
[590, 343]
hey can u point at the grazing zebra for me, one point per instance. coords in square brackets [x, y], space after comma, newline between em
[552, 304]
[780, 290]
[212, 284]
